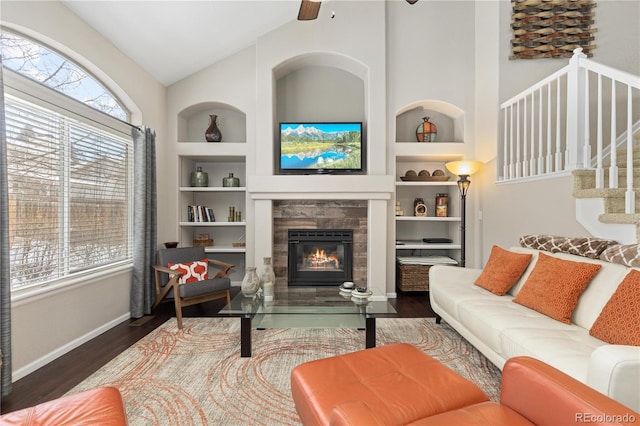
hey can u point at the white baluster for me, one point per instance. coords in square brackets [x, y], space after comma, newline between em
[532, 158]
[599, 167]
[558, 133]
[505, 142]
[511, 150]
[629, 195]
[548, 167]
[613, 157]
[518, 141]
[525, 139]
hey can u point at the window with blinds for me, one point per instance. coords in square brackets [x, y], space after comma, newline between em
[70, 202]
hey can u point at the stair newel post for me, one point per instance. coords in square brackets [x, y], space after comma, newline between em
[577, 112]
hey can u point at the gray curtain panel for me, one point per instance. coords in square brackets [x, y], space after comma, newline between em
[144, 221]
[5, 282]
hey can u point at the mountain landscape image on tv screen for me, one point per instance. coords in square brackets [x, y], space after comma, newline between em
[332, 146]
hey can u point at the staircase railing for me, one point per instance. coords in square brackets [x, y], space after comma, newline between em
[547, 129]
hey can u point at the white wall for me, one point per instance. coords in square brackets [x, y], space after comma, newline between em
[46, 326]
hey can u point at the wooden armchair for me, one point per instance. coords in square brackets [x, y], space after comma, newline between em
[167, 281]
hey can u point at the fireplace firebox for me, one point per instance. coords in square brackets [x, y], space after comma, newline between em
[320, 256]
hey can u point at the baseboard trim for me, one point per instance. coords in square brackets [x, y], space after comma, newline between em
[51, 356]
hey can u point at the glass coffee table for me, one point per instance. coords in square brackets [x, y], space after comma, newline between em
[306, 307]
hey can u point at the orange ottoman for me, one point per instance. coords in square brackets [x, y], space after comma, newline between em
[398, 382]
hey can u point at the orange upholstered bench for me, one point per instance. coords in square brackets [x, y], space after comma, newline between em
[400, 385]
[101, 406]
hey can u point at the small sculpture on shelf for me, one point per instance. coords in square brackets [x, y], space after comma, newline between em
[234, 215]
[419, 208]
[399, 211]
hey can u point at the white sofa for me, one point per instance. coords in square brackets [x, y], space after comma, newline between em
[502, 329]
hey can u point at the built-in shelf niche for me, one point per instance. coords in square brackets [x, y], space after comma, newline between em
[194, 121]
[448, 118]
[319, 87]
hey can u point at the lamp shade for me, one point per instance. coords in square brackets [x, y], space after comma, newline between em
[463, 168]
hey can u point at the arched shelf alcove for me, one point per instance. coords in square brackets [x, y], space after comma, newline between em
[193, 121]
[447, 117]
[450, 121]
[320, 86]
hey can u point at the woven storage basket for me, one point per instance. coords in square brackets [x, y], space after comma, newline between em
[413, 277]
[203, 240]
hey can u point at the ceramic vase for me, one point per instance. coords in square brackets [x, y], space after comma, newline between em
[230, 181]
[268, 279]
[213, 132]
[199, 178]
[250, 283]
[426, 131]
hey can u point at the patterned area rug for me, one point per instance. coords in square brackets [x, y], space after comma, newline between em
[196, 376]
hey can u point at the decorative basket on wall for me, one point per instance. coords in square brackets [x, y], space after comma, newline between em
[552, 28]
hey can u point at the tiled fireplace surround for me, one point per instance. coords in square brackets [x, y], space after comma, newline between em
[320, 214]
[361, 203]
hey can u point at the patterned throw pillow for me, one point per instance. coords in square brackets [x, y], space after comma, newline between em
[502, 270]
[191, 271]
[619, 321]
[625, 254]
[580, 246]
[554, 286]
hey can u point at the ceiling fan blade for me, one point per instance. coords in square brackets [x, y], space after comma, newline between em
[308, 10]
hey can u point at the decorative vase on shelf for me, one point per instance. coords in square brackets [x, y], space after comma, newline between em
[213, 132]
[250, 283]
[199, 178]
[426, 131]
[268, 279]
[230, 181]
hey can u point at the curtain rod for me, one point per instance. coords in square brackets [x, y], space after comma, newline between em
[80, 115]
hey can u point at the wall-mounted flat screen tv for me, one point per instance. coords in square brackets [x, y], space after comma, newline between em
[311, 148]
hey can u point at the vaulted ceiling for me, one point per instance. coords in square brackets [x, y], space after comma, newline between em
[173, 39]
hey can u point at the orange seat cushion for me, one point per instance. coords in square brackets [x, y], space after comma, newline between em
[403, 384]
[502, 270]
[619, 321]
[554, 286]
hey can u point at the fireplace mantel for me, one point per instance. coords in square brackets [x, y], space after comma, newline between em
[320, 187]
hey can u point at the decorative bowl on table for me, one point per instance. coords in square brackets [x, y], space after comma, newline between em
[361, 292]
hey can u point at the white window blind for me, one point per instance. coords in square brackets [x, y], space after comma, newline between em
[69, 195]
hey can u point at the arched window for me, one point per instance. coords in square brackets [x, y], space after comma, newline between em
[53, 70]
[69, 169]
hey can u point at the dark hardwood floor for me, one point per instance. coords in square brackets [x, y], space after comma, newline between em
[61, 375]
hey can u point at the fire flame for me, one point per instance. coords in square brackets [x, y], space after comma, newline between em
[320, 260]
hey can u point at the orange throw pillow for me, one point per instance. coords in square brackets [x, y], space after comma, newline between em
[554, 286]
[192, 271]
[619, 321]
[502, 270]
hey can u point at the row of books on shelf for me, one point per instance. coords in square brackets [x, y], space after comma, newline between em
[200, 214]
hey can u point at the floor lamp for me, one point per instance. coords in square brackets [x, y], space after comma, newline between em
[463, 169]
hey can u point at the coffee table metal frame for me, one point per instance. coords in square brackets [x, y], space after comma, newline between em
[304, 302]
